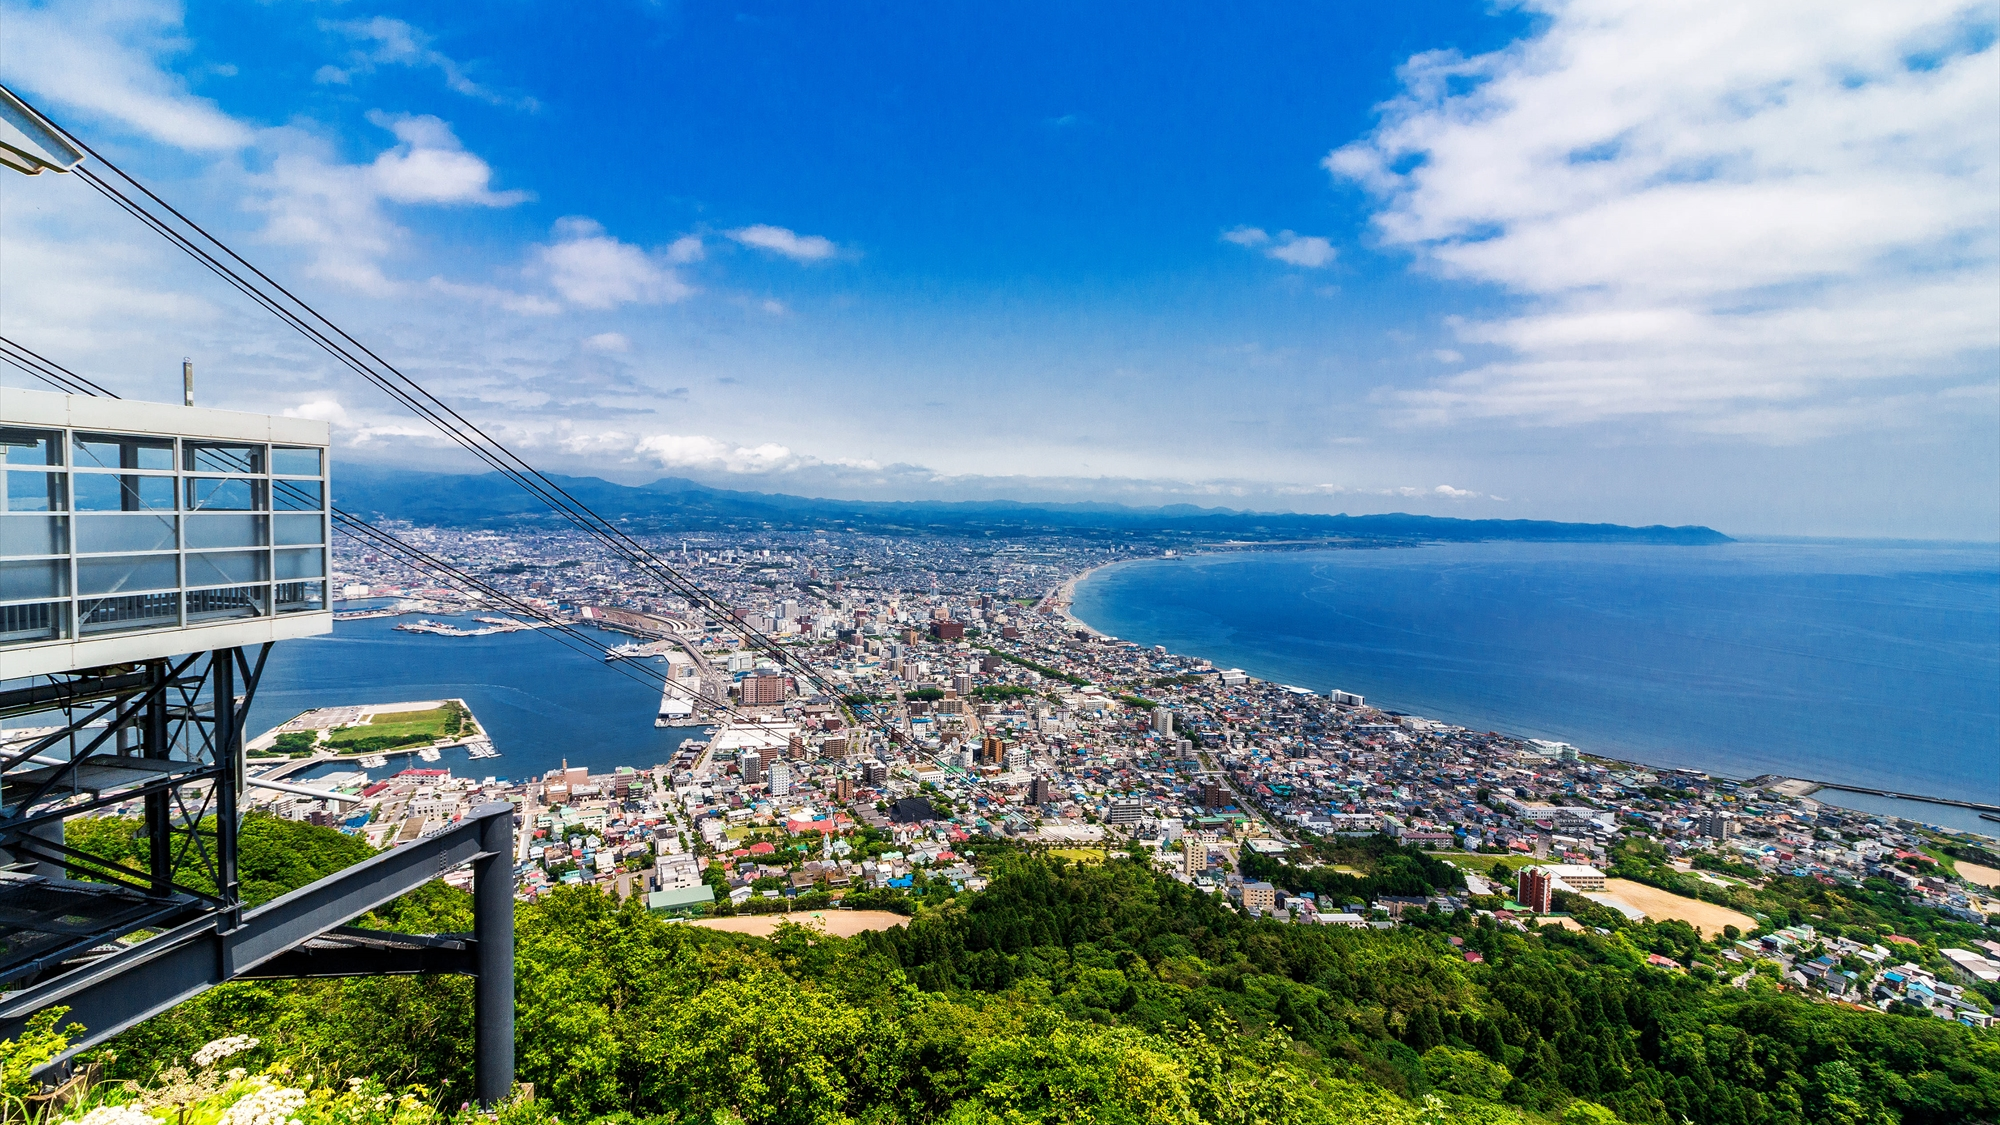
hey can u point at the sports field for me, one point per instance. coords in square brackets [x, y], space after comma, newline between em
[837, 923]
[1657, 904]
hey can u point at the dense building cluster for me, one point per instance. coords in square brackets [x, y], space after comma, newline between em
[935, 691]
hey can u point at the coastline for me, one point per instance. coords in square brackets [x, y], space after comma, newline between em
[1884, 802]
[1061, 600]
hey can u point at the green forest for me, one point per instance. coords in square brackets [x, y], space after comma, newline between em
[1073, 993]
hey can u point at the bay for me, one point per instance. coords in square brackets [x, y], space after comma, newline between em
[542, 702]
[1871, 664]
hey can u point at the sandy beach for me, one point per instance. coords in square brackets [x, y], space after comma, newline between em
[837, 923]
[1059, 601]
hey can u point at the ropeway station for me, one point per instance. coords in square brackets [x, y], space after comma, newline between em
[150, 558]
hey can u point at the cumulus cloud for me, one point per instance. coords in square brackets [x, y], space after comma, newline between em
[698, 451]
[594, 270]
[430, 166]
[1709, 211]
[608, 342]
[1290, 247]
[106, 58]
[383, 41]
[778, 240]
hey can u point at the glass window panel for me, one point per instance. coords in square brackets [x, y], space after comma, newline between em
[101, 492]
[122, 451]
[225, 531]
[225, 495]
[230, 601]
[34, 535]
[222, 457]
[220, 567]
[36, 621]
[31, 447]
[300, 597]
[296, 495]
[129, 611]
[33, 491]
[294, 531]
[294, 462]
[42, 578]
[96, 535]
[300, 564]
[120, 573]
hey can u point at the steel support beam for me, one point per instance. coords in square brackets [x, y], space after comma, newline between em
[493, 936]
[113, 993]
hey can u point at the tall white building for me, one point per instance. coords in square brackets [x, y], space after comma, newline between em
[780, 777]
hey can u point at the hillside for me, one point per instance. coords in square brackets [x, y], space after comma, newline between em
[1109, 993]
[674, 504]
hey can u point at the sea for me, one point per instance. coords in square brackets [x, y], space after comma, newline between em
[543, 703]
[1875, 664]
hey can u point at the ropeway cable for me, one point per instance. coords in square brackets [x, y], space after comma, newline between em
[426, 405]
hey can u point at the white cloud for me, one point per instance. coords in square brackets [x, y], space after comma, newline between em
[105, 58]
[1709, 210]
[592, 269]
[608, 342]
[320, 410]
[686, 248]
[697, 451]
[778, 240]
[430, 166]
[383, 41]
[1290, 247]
[1310, 251]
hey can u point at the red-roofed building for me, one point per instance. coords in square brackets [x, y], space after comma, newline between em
[762, 847]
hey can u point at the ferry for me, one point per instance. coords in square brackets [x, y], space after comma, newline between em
[624, 651]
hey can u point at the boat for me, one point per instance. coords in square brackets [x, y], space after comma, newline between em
[479, 748]
[624, 651]
[430, 754]
[374, 761]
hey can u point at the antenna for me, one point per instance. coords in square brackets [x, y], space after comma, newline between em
[187, 381]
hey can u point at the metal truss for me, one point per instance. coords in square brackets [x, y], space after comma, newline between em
[116, 945]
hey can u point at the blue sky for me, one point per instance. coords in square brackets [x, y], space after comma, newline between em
[1554, 260]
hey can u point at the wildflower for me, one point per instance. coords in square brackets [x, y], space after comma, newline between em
[236, 1074]
[116, 1115]
[266, 1105]
[222, 1048]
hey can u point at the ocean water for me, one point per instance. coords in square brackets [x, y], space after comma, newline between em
[542, 702]
[1873, 664]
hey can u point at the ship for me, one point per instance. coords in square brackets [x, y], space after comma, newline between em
[374, 761]
[624, 651]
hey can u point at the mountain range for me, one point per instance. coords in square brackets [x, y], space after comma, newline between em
[677, 504]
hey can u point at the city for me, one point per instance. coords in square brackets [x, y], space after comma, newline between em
[966, 705]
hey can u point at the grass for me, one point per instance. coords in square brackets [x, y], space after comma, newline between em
[1081, 855]
[403, 728]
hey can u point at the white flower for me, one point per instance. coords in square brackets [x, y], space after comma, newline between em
[116, 1115]
[268, 1105]
[222, 1048]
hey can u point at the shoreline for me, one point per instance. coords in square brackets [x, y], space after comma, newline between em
[1062, 599]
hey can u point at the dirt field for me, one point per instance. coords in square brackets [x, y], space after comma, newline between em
[1703, 916]
[838, 923]
[1975, 873]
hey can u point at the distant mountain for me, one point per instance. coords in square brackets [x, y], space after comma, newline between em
[675, 504]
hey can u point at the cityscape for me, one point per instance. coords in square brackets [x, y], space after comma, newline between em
[959, 701]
